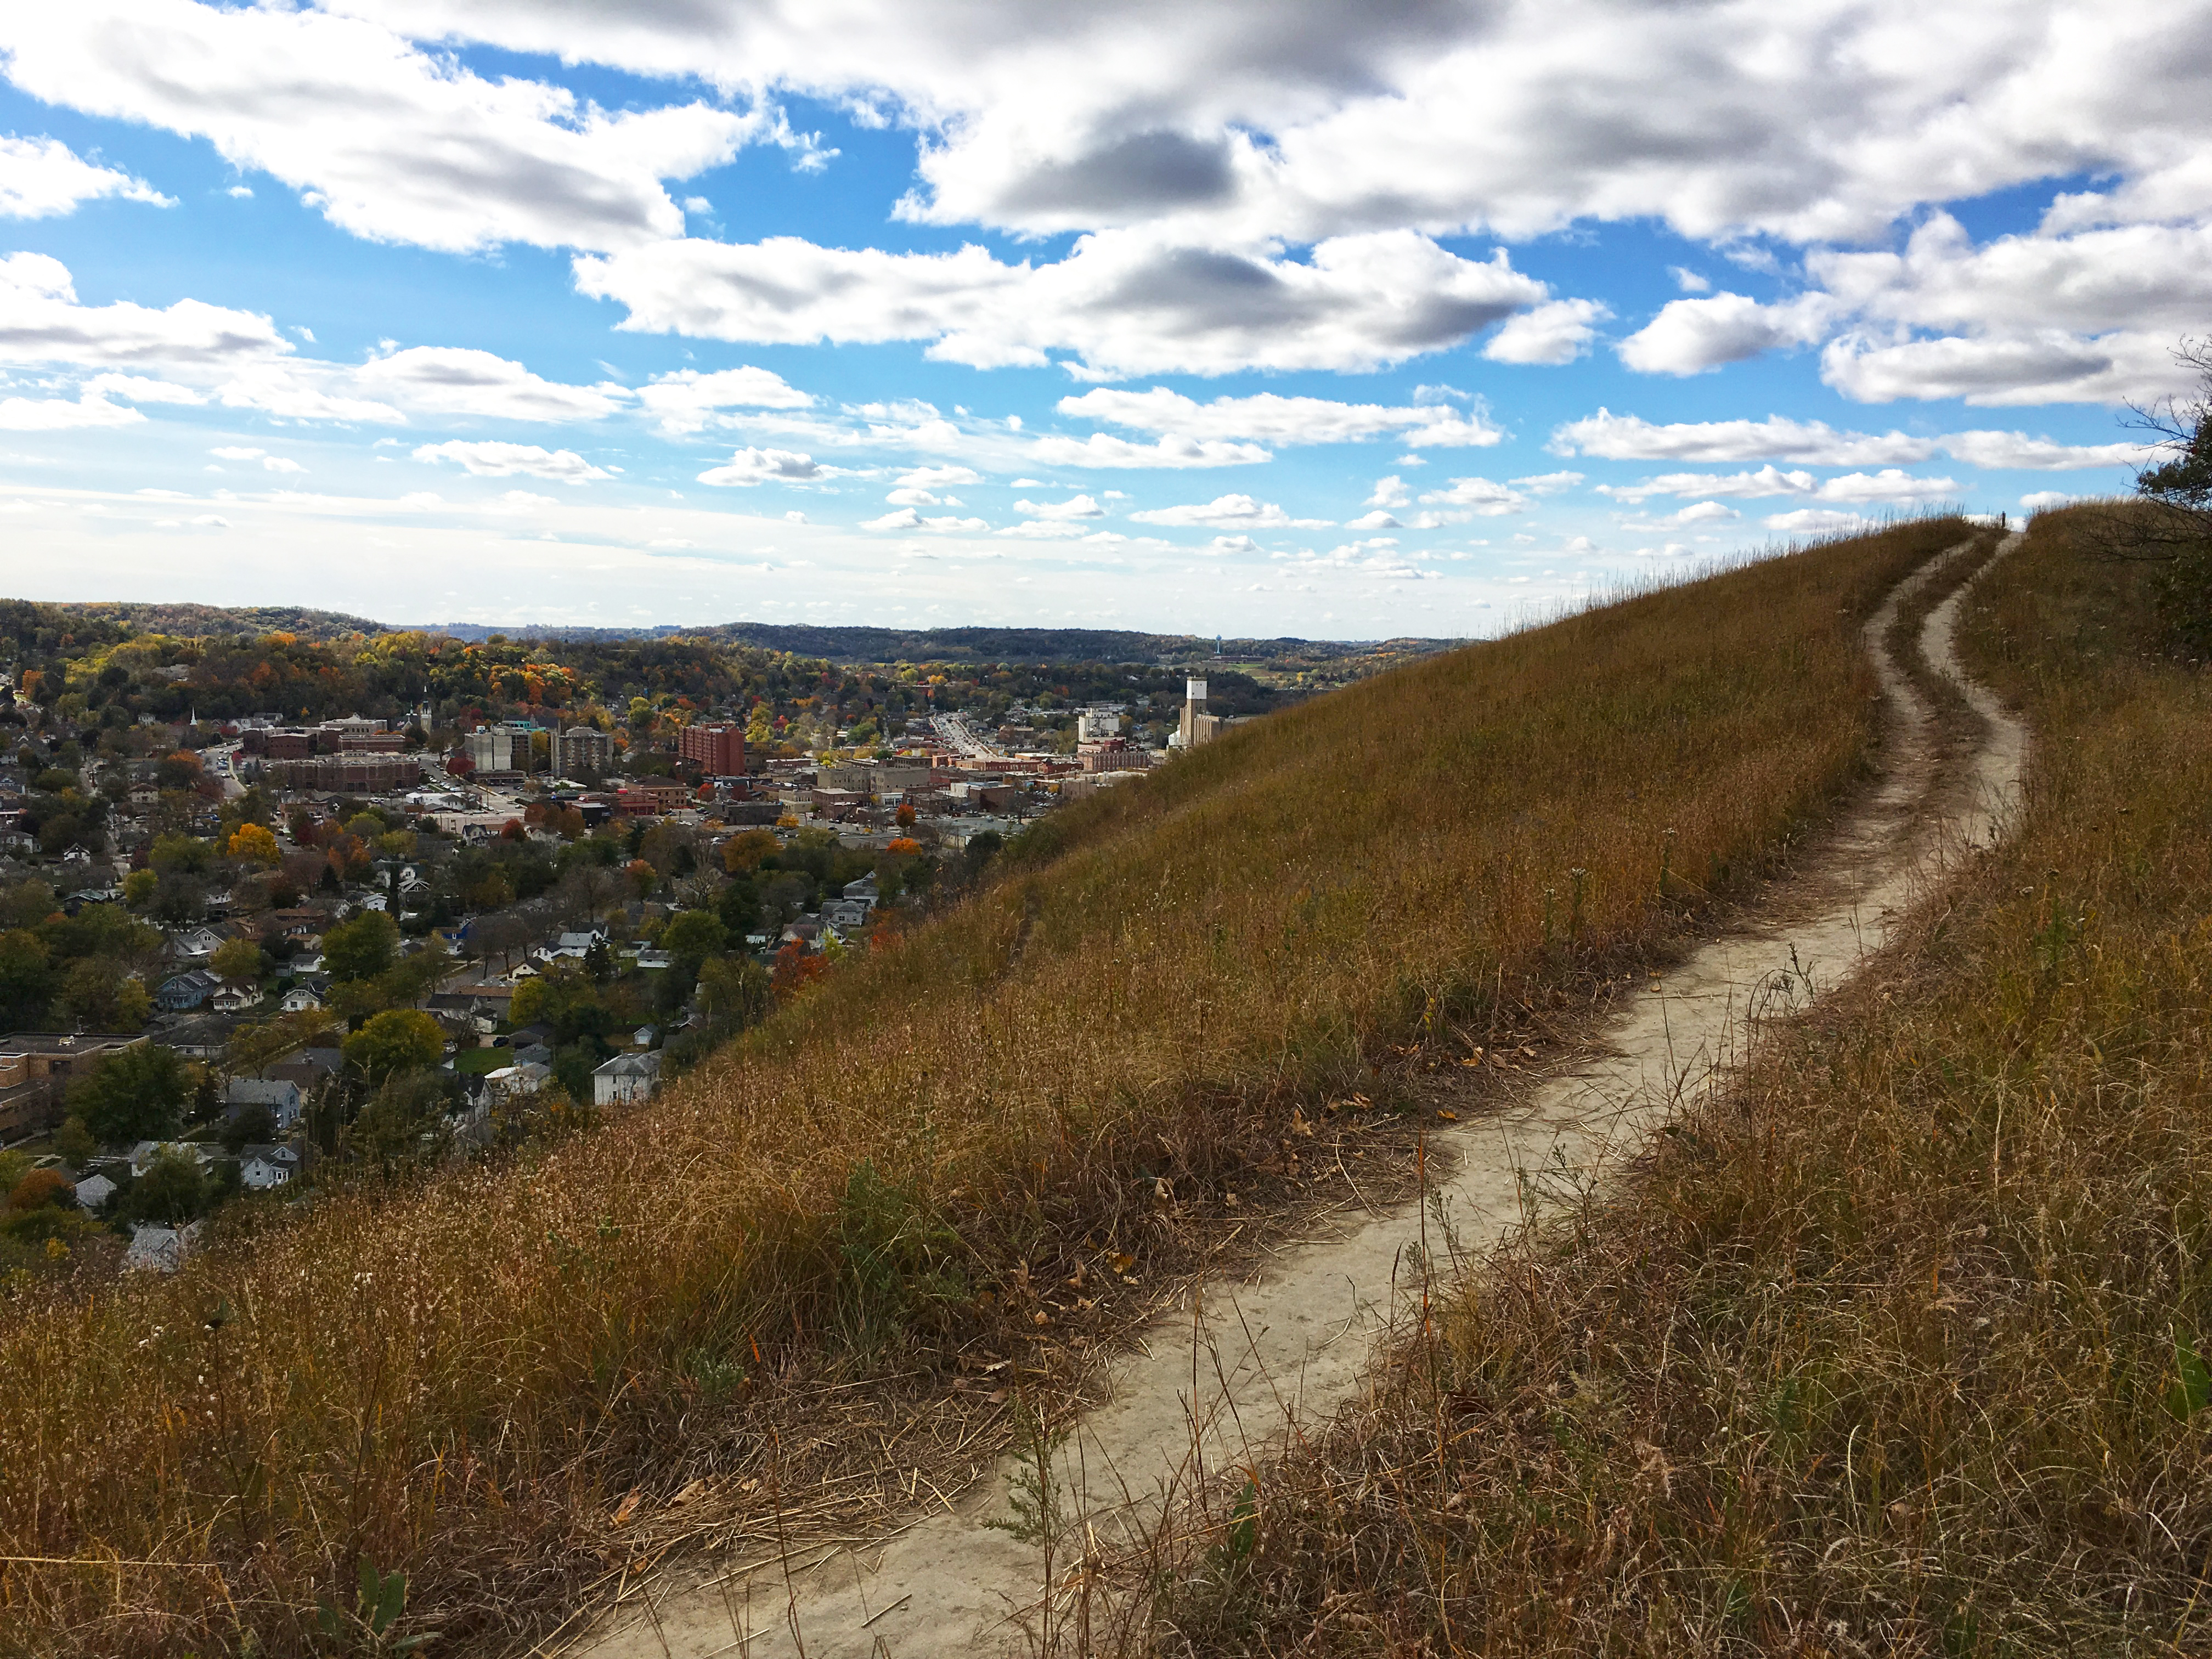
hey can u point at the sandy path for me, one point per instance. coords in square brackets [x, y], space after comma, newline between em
[1254, 1361]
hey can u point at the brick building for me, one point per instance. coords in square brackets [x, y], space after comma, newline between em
[720, 749]
[35, 1069]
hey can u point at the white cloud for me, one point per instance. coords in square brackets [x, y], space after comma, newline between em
[1378, 519]
[58, 415]
[1689, 336]
[1228, 546]
[388, 142]
[1389, 491]
[459, 380]
[1102, 449]
[502, 460]
[1229, 513]
[685, 401]
[237, 452]
[138, 389]
[40, 321]
[1078, 507]
[1888, 485]
[1689, 280]
[42, 177]
[1550, 334]
[750, 466]
[1482, 497]
[946, 477]
[908, 519]
[1818, 521]
[1271, 418]
[1548, 484]
[1630, 438]
[2018, 450]
[1767, 480]
[2044, 501]
[1123, 303]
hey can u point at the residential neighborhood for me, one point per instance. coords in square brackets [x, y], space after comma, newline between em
[244, 955]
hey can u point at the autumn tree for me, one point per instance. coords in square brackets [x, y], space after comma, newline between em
[400, 1039]
[744, 851]
[361, 948]
[253, 843]
[239, 960]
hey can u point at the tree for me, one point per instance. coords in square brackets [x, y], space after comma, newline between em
[183, 855]
[138, 888]
[744, 851]
[100, 994]
[173, 1191]
[400, 1039]
[692, 936]
[253, 843]
[43, 1190]
[27, 978]
[734, 992]
[74, 1143]
[2171, 522]
[239, 959]
[361, 948]
[249, 1125]
[138, 1094]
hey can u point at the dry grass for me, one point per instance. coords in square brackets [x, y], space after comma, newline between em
[1896, 1348]
[516, 1381]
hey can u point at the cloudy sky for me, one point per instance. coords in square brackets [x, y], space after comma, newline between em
[1332, 317]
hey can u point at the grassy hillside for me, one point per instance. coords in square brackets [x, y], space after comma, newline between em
[460, 1382]
[1901, 1349]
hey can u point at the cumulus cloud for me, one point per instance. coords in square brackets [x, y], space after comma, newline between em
[61, 415]
[490, 460]
[686, 401]
[1482, 497]
[1630, 438]
[750, 467]
[1122, 303]
[386, 140]
[1271, 418]
[907, 518]
[1818, 521]
[1550, 334]
[1229, 513]
[43, 178]
[1102, 450]
[459, 380]
[40, 321]
[1691, 337]
[1078, 507]
[1389, 492]
[946, 478]
[139, 389]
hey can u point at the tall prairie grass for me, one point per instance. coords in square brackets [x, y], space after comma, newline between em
[460, 1380]
[1905, 1346]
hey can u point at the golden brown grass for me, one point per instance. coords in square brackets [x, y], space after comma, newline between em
[1897, 1348]
[463, 1381]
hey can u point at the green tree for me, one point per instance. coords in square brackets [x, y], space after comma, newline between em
[181, 855]
[248, 1126]
[400, 1039]
[734, 992]
[27, 978]
[361, 948]
[173, 1191]
[101, 994]
[692, 936]
[138, 1094]
[240, 960]
[138, 888]
[75, 1144]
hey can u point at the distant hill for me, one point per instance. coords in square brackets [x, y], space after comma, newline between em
[199, 621]
[841, 645]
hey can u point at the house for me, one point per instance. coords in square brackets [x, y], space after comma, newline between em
[652, 958]
[95, 1190]
[196, 944]
[160, 1250]
[236, 996]
[263, 1166]
[865, 888]
[626, 1080]
[308, 1068]
[305, 996]
[534, 1054]
[280, 1095]
[186, 991]
[512, 1082]
[143, 1153]
[847, 915]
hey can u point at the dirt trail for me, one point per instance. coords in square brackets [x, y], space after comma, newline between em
[1252, 1362]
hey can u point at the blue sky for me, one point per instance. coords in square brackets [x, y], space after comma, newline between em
[1325, 318]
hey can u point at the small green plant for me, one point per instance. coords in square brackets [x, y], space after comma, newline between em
[2191, 1388]
[366, 1626]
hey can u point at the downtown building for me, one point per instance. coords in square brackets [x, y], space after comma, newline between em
[720, 749]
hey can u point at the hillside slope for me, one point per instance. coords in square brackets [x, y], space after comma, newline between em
[1899, 1347]
[461, 1382]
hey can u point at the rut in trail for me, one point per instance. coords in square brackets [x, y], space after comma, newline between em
[1249, 1362]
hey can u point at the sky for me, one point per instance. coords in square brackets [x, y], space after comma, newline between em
[1341, 319]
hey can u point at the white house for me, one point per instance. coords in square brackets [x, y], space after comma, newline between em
[511, 1082]
[94, 1191]
[261, 1168]
[281, 1097]
[626, 1080]
[160, 1250]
